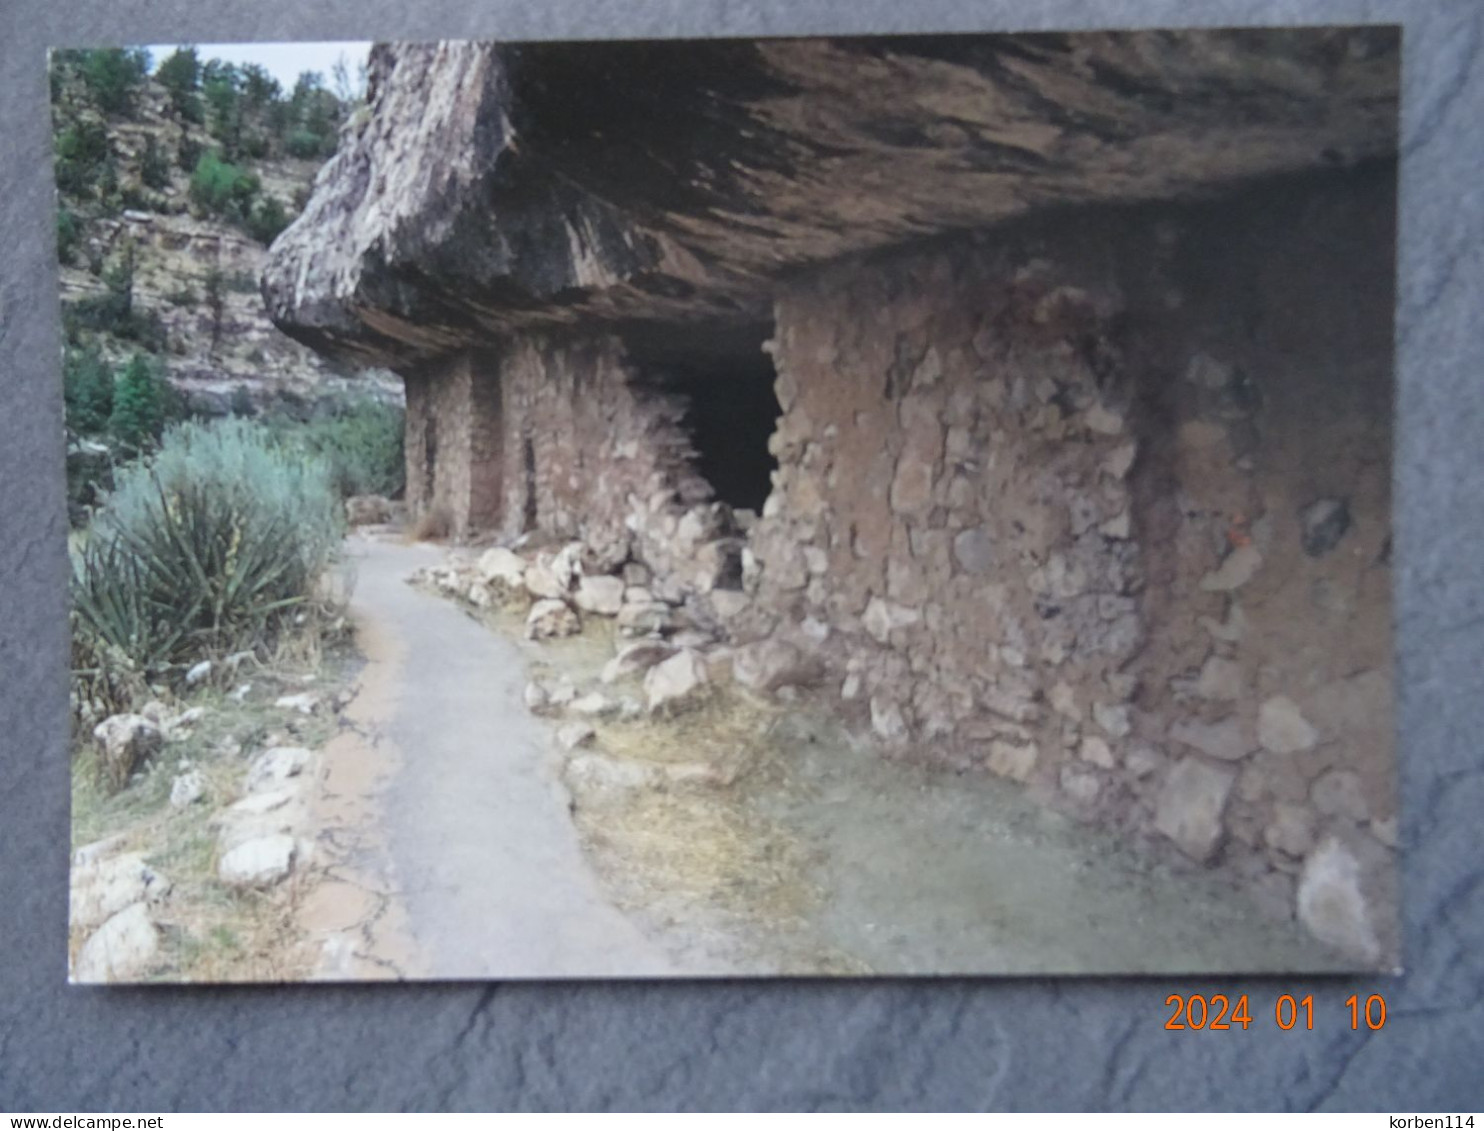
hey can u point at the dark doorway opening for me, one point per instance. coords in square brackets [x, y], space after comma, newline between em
[726, 382]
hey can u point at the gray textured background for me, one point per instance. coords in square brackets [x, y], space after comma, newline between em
[976, 1044]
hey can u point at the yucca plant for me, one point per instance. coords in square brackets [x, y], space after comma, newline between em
[209, 547]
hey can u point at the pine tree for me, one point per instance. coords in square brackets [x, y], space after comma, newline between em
[139, 405]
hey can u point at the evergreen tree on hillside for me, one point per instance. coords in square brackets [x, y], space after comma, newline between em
[180, 75]
[113, 77]
[87, 391]
[143, 402]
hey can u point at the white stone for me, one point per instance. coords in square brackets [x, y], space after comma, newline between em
[503, 567]
[602, 595]
[1113, 718]
[882, 617]
[550, 618]
[1096, 751]
[644, 618]
[198, 672]
[1103, 420]
[593, 705]
[1012, 760]
[566, 565]
[541, 582]
[636, 658]
[261, 862]
[306, 702]
[1234, 572]
[1332, 905]
[974, 550]
[1143, 760]
[104, 886]
[119, 950]
[187, 788]
[1192, 806]
[258, 804]
[1064, 701]
[273, 767]
[677, 683]
[573, 735]
[127, 742]
[1121, 460]
[767, 665]
[1282, 728]
[887, 720]
[1205, 371]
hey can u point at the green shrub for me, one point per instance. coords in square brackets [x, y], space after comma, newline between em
[268, 219]
[154, 169]
[69, 235]
[143, 404]
[222, 188]
[180, 75]
[113, 76]
[212, 546]
[82, 150]
[361, 442]
[87, 391]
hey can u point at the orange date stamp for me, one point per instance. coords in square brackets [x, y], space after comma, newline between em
[1221, 1011]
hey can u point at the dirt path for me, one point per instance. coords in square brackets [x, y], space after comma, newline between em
[450, 850]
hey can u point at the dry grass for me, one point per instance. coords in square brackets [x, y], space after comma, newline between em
[209, 932]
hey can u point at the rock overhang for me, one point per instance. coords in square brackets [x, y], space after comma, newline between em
[490, 188]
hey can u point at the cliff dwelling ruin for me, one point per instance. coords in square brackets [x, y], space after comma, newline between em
[1026, 398]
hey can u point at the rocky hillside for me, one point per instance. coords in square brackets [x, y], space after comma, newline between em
[170, 187]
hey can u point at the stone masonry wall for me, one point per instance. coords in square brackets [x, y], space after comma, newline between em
[1102, 506]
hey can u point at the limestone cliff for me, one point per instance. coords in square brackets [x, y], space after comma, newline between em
[495, 186]
[191, 275]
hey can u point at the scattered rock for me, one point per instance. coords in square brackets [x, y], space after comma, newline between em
[1143, 760]
[591, 776]
[1386, 831]
[502, 567]
[677, 683]
[101, 887]
[1234, 572]
[1120, 460]
[1096, 751]
[542, 583]
[550, 618]
[187, 788]
[306, 702]
[887, 720]
[120, 950]
[1113, 718]
[258, 804]
[882, 617]
[601, 595]
[1103, 421]
[593, 705]
[261, 862]
[767, 665]
[645, 617]
[197, 673]
[636, 658]
[1192, 806]
[1205, 371]
[1228, 740]
[573, 735]
[1282, 728]
[127, 742]
[275, 766]
[1332, 905]
[1323, 523]
[1012, 760]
